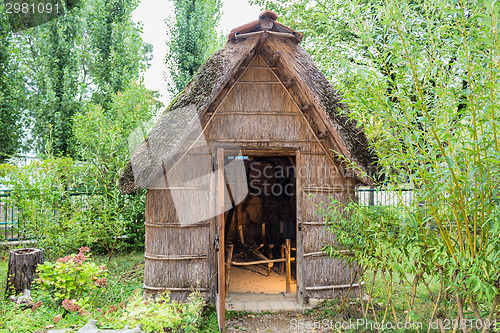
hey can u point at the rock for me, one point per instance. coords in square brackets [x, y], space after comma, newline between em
[25, 298]
[137, 329]
[91, 327]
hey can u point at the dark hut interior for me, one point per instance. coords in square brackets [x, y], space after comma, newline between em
[257, 228]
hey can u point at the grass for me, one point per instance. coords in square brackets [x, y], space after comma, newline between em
[401, 295]
[125, 279]
[125, 276]
[126, 273]
[351, 310]
[421, 311]
[210, 323]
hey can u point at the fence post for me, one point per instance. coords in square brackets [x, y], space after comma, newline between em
[372, 196]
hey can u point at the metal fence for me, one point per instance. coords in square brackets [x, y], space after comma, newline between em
[387, 198]
[9, 219]
[12, 228]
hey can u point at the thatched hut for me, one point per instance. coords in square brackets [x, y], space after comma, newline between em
[239, 162]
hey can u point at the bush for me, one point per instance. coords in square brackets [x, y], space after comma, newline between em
[102, 140]
[70, 280]
[162, 313]
[44, 192]
[45, 208]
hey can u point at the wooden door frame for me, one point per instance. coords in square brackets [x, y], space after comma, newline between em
[299, 253]
[292, 152]
[219, 219]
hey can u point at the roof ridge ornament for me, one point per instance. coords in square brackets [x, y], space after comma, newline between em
[266, 23]
[268, 13]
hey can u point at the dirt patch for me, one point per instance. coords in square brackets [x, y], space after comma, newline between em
[282, 322]
[325, 317]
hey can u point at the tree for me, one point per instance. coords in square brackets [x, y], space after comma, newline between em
[192, 39]
[116, 51]
[333, 38]
[102, 140]
[11, 92]
[54, 81]
[429, 74]
[87, 54]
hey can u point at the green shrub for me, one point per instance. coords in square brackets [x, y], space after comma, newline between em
[157, 315]
[63, 203]
[71, 279]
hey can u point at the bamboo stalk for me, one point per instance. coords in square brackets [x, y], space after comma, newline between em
[347, 294]
[361, 278]
[441, 286]
[460, 310]
[389, 301]
[283, 257]
[407, 317]
[431, 295]
[492, 312]
[337, 286]
[441, 325]
[258, 262]
[476, 311]
[414, 290]
[370, 296]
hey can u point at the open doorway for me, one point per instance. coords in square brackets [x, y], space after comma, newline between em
[260, 232]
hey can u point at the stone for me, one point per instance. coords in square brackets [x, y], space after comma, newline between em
[91, 327]
[25, 298]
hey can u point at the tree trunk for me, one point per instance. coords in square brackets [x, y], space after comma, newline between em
[22, 269]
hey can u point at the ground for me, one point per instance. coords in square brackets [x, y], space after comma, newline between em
[126, 274]
[282, 322]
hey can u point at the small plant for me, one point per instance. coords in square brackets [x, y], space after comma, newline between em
[71, 278]
[162, 313]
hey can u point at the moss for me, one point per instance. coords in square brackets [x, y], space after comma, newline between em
[126, 180]
[202, 85]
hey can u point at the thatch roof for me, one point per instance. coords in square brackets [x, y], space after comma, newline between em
[219, 72]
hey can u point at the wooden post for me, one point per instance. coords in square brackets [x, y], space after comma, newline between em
[282, 257]
[299, 254]
[221, 301]
[22, 269]
[270, 265]
[288, 267]
[228, 268]
[263, 233]
[372, 196]
[239, 222]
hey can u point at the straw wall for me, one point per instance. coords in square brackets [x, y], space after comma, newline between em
[177, 257]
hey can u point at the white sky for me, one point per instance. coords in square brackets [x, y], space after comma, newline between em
[152, 14]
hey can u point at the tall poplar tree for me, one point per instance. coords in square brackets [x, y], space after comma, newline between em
[87, 55]
[116, 49]
[192, 39]
[11, 92]
[54, 82]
